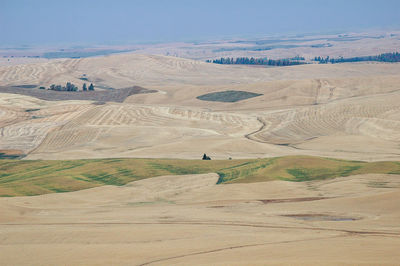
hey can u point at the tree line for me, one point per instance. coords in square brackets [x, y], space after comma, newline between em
[259, 61]
[386, 57]
[69, 87]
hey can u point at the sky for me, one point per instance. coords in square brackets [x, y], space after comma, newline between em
[43, 22]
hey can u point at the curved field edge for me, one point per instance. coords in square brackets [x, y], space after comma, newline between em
[36, 177]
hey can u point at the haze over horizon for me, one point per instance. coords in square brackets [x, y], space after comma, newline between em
[48, 22]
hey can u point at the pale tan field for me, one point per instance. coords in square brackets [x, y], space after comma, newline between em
[345, 110]
[348, 111]
[185, 220]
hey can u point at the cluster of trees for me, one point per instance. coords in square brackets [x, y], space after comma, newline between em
[85, 88]
[297, 57]
[258, 61]
[69, 87]
[386, 57]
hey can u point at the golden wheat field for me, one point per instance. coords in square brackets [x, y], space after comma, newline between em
[346, 110]
[178, 212]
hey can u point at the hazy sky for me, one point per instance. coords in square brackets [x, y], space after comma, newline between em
[121, 21]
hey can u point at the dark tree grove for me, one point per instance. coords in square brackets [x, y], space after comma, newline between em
[258, 61]
[387, 57]
[68, 87]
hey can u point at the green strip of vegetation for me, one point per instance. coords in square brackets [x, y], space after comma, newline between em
[36, 177]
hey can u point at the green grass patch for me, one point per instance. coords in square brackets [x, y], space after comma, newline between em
[308, 174]
[35, 177]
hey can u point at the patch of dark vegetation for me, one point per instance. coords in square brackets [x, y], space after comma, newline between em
[85, 79]
[11, 156]
[32, 110]
[221, 178]
[321, 217]
[259, 61]
[27, 86]
[386, 57]
[69, 87]
[99, 103]
[227, 96]
[118, 95]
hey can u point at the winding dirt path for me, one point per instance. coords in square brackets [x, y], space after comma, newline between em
[236, 247]
[251, 134]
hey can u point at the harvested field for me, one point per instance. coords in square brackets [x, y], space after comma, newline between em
[99, 96]
[277, 180]
[347, 111]
[175, 216]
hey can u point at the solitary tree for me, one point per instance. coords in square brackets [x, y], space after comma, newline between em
[205, 157]
[84, 88]
[91, 87]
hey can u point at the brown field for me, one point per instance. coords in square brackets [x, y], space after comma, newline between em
[341, 215]
[181, 220]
